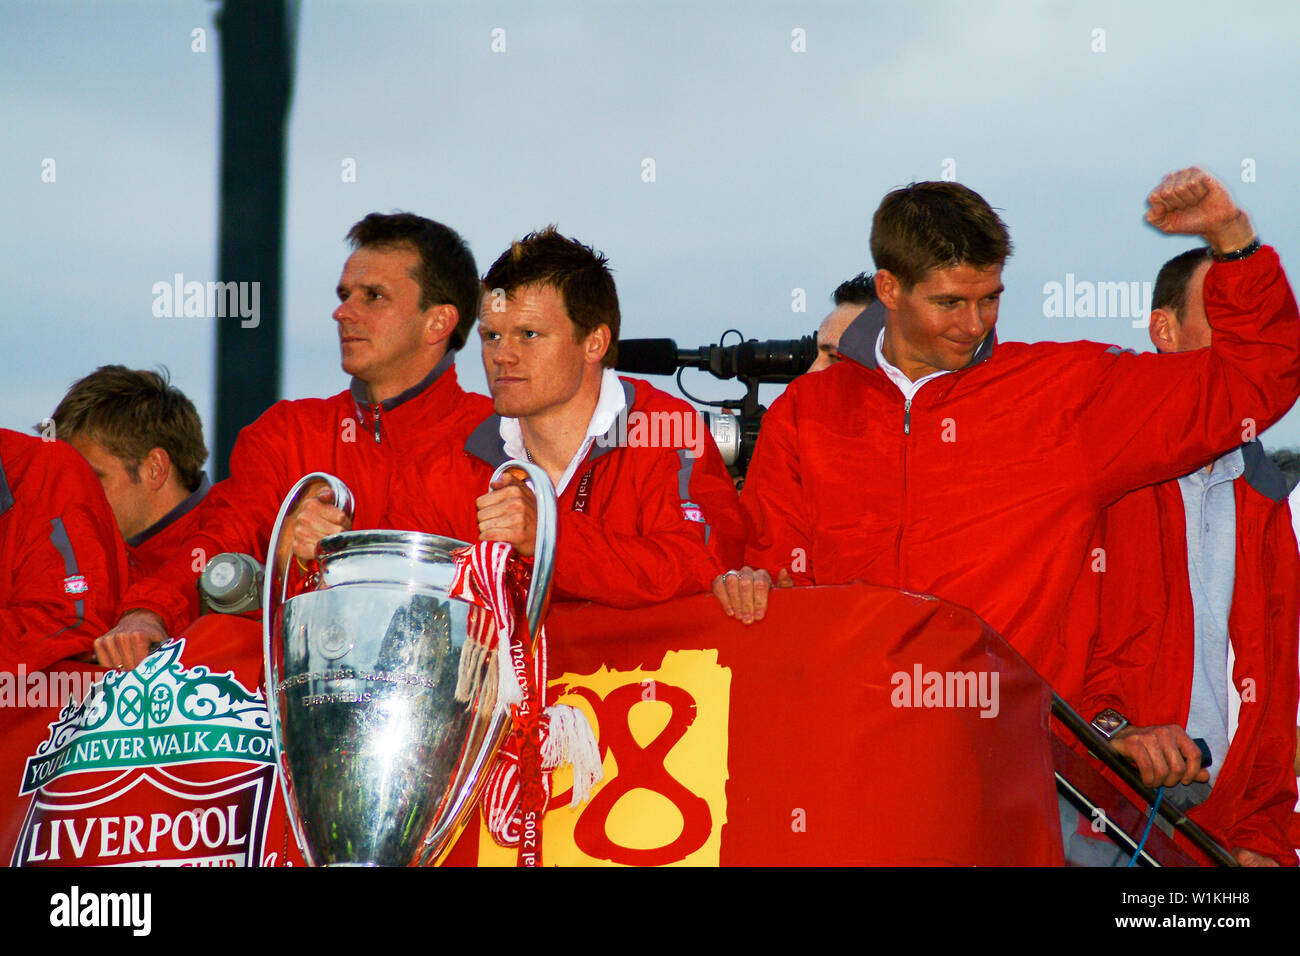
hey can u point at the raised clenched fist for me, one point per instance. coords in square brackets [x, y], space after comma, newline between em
[1191, 202]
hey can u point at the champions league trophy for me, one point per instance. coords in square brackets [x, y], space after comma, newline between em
[381, 689]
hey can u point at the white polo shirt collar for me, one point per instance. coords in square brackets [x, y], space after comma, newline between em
[609, 405]
[905, 384]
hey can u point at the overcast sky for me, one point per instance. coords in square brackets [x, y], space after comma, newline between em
[774, 130]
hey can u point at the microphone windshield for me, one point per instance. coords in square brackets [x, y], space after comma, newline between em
[647, 356]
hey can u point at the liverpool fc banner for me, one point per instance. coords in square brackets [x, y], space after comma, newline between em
[855, 725]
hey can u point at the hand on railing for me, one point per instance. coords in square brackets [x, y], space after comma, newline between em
[1165, 756]
[131, 640]
[743, 594]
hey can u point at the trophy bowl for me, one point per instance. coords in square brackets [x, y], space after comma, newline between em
[382, 691]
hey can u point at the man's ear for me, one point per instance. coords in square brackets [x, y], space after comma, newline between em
[888, 288]
[156, 468]
[1163, 329]
[440, 321]
[596, 345]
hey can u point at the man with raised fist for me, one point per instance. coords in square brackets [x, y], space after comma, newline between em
[1199, 622]
[408, 297]
[937, 459]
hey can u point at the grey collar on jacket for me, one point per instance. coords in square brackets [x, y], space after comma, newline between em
[1261, 473]
[485, 441]
[6, 495]
[191, 501]
[362, 399]
[858, 341]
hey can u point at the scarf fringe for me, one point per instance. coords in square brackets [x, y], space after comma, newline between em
[571, 740]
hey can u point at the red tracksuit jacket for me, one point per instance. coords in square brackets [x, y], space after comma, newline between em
[1142, 661]
[637, 524]
[62, 562]
[987, 487]
[149, 550]
[346, 436]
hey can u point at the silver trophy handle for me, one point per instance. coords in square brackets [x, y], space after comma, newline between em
[544, 544]
[276, 580]
[343, 500]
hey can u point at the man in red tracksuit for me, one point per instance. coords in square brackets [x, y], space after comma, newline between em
[1198, 568]
[142, 437]
[407, 299]
[647, 511]
[936, 460]
[62, 564]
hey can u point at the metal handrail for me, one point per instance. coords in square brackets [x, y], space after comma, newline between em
[1101, 748]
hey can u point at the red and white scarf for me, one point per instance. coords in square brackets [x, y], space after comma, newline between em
[518, 785]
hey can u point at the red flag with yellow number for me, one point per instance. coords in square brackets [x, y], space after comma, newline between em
[854, 725]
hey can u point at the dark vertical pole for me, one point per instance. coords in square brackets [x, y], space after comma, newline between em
[256, 83]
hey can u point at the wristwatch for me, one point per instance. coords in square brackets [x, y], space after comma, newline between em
[1245, 252]
[1109, 722]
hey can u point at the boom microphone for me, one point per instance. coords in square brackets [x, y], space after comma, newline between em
[774, 360]
[752, 361]
[648, 356]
